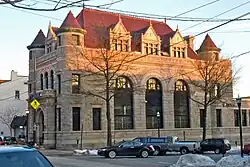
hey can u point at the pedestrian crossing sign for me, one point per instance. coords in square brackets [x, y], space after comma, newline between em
[35, 104]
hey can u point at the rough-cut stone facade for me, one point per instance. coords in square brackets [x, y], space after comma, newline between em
[48, 55]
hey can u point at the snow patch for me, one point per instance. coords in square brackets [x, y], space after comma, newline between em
[85, 152]
[194, 160]
[234, 150]
[234, 161]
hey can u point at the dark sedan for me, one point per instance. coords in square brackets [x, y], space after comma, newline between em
[22, 156]
[127, 148]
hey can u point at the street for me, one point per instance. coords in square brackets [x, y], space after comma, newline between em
[96, 161]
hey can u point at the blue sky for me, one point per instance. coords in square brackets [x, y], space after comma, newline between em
[19, 28]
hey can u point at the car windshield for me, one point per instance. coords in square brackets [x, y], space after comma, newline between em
[24, 159]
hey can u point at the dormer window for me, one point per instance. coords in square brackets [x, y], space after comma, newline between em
[49, 48]
[179, 52]
[151, 49]
[120, 45]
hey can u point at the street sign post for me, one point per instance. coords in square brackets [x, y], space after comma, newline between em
[35, 104]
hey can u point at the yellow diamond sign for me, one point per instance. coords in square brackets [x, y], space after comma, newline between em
[35, 104]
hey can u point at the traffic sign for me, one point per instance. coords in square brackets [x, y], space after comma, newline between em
[35, 104]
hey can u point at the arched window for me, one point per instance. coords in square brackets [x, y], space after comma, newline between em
[41, 81]
[123, 103]
[46, 80]
[181, 105]
[153, 104]
[52, 79]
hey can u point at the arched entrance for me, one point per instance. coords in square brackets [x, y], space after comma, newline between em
[40, 127]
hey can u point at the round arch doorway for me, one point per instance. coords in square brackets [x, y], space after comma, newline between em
[40, 127]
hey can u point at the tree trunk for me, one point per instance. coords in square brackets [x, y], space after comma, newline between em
[204, 126]
[10, 131]
[109, 134]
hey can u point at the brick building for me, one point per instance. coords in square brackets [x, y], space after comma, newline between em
[63, 108]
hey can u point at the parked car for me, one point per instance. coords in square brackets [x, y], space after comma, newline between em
[218, 145]
[127, 148]
[169, 144]
[184, 147]
[17, 156]
[160, 143]
[7, 140]
[246, 149]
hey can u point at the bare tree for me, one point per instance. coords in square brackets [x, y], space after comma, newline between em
[213, 78]
[102, 66]
[7, 116]
[56, 4]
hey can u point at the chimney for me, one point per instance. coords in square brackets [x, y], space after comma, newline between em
[190, 41]
[13, 75]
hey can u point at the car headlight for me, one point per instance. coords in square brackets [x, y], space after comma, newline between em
[104, 149]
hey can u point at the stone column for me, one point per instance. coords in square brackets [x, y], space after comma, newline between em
[139, 104]
[168, 109]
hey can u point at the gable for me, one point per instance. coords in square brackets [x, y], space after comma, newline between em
[119, 28]
[50, 33]
[150, 34]
[178, 39]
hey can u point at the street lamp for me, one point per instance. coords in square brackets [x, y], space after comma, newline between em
[238, 101]
[27, 124]
[158, 122]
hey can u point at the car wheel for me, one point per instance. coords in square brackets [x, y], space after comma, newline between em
[217, 151]
[144, 154]
[112, 154]
[184, 151]
[157, 151]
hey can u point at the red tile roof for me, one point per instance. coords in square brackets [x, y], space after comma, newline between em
[91, 18]
[208, 44]
[70, 21]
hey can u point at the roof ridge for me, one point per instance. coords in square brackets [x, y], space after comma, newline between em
[126, 15]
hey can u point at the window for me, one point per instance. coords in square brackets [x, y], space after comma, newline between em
[52, 79]
[29, 88]
[41, 81]
[49, 48]
[154, 104]
[76, 39]
[236, 118]
[157, 140]
[181, 105]
[121, 45]
[75, 83]
[201, 117]
[59, 83]
[150, 49]
[30, 55]
[218, 118]
[59, 40]
[76, 118]
[244, 117]
[17, 94]
[46, 80]
[59, 119]
[179, 52]
[96, 118]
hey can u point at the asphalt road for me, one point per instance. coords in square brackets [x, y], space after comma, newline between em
[97, 161]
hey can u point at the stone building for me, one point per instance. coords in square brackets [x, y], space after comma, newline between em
[57, 122]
